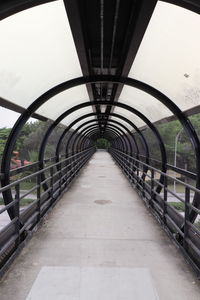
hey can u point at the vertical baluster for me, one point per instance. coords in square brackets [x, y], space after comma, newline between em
[39, 196]
[60, 178]
[51, 183]
[152, 186]
[165, 199]
[187, 213]
[17, 213]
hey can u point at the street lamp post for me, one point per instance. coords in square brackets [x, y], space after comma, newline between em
[175, 153]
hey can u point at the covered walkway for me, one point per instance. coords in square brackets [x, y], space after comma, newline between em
[100, 231]
[100, 74]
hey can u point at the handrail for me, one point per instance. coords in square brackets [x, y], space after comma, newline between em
[2, 189]
[161, 173]
[13, 234]
[178, 225]
[171, 167]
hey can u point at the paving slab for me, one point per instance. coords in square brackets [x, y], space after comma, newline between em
[76, 283]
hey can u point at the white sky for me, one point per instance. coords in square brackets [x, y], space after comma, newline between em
[9, 117]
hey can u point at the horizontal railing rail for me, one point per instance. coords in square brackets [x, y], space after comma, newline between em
[178, 170]
[171, 208]
[47, 186]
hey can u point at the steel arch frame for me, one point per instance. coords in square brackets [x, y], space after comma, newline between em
[76, 134]
[101, 79]
[110, 121]
[123, 137]
[110, 135]
[94, 134]
[110, 114]
[80, 139]
[12, 8]
[116, 137]
[122, 105]
[111, 127]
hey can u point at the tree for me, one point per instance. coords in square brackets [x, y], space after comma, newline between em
[33, 141]
[102, 143]
[4, 133]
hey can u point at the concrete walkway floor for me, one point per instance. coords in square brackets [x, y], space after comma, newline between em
[100, 242]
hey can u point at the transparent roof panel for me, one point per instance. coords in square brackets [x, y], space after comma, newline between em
[149, 106]
[84, 120]
[36, 53]
[90, 124]
[73, 116]
[118, 125]
[127, 114]
[122, 122]
[58, 104]
[168, 58]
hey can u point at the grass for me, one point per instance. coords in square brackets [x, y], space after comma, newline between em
[179, 188]
[178, 205]
[197, 224]
[23, 202]
[27, 185]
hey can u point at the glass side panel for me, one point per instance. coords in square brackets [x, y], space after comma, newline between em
[7, 117]
[168, 58]
[36, 53]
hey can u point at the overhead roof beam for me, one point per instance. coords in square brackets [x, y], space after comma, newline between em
[77, 25]
[138, 24]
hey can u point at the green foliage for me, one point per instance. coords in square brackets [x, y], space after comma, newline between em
[185, 153]
[29, 140]
[102, 143]
[32, 155]
[168, 132]
[178, 205]
[30, 137]
[32, 142]
[23, 202]
[27, 186]
[4, 133]
[197, 224]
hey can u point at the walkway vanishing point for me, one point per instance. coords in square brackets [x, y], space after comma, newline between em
[100, 242]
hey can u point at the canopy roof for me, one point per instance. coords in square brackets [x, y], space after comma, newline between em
[45, 43]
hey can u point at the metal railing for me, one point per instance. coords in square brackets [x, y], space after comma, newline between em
[49, 184]
[146, 180]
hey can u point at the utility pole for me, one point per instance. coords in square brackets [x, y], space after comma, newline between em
[175, 154]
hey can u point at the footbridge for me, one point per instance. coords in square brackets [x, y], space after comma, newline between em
[115, 223]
